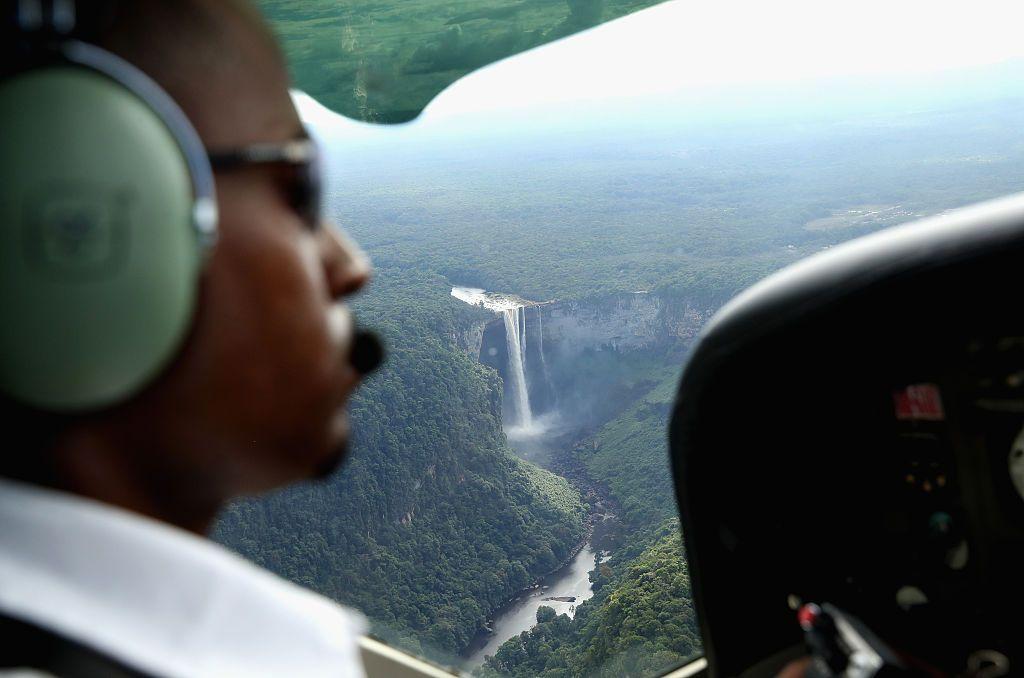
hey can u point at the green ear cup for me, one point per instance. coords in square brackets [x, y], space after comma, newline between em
[99, 256]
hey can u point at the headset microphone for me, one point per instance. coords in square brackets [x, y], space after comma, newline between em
[367, 352]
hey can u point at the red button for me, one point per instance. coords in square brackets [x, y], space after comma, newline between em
[808, 615]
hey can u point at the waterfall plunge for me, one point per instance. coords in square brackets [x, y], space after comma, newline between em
[515, 339]
[512, 309]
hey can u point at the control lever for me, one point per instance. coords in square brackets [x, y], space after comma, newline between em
[841, 645]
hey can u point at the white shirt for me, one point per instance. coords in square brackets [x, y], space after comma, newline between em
[159, 599]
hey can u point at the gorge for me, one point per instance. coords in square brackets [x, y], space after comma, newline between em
[567, 367]
[447, 509]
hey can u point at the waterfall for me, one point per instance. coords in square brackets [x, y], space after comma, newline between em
[513, 312]
[515, 339]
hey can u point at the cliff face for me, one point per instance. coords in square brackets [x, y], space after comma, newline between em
[471, 338]
[622, 322]
[566, 340]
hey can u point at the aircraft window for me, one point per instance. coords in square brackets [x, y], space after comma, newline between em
[549, 238]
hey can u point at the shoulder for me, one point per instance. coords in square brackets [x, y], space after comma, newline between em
[159, 599]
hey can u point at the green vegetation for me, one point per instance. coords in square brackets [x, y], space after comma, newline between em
[630, 456]
[384, 62]
[640, 622]
[684, 209]
[434, 523]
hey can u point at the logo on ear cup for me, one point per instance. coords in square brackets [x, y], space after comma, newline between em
[77, 231]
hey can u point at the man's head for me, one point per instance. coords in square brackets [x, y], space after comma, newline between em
[255, 396]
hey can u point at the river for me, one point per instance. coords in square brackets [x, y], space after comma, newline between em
[521, 614]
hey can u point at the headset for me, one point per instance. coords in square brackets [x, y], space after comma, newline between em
[107, 214]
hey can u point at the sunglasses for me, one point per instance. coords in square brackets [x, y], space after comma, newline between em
[301, 156]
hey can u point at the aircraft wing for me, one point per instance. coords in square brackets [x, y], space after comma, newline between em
[384, 60]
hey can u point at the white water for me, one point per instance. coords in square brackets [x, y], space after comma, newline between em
[492, 301]
[513, 312]
[515, 339]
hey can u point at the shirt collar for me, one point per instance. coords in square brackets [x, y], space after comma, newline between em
[158, 598]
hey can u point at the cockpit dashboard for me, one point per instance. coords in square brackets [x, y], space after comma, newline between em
[852, 431]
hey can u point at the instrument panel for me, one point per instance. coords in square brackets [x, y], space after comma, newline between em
[852, 432]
